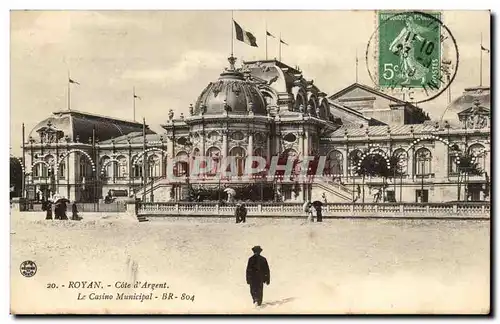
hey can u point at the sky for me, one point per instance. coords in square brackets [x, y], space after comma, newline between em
[171, 56]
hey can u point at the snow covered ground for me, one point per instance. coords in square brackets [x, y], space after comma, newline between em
[339, 266]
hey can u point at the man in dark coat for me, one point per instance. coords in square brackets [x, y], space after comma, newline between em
[48, 210]
[243, 213]
[237, 213]
[319, 214]
[257, 275]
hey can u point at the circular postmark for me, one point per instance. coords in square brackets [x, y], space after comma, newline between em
[28, 268]
[412, 55]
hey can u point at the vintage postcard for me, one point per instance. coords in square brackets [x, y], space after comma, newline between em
[250, 162]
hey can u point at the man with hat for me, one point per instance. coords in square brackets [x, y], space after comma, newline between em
[257, 275]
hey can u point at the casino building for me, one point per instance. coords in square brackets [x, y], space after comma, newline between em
[377, 147]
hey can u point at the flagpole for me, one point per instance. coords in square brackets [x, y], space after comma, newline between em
[133, 98]
[266, 40]
[356, 66]
[144, 158]
[481, 62]
[69, 92]
[232, 33]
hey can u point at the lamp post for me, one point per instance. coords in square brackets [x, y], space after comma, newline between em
[188, 145]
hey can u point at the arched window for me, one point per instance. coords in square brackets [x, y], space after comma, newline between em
[213, 153]
[107, 165]
[478, 151]
[181, 167]
[61, 173]
[122, 167]
[299, 100]
[238, 154]
[137, 166]
[400, 162]
[49, 160]
[334, 164]
[423, 159]
[154, 166]
[83, 167]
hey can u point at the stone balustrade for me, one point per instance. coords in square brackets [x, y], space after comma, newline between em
[477, 210]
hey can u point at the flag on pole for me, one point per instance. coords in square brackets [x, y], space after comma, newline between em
[136, 96]
[244, 36]
[269, 34]
[283, 42]
[73, 81]
[485, 49]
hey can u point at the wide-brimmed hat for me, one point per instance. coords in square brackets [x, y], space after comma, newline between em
[257, 248]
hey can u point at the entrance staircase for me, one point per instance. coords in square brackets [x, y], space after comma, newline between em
[334, 191]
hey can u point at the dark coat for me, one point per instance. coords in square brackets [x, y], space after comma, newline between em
[258, 270]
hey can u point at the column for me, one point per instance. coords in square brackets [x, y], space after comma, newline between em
[268, 148]
[72, 172]
[345, 162]
[224, 142]
[250, 144]
[249, 152]
[170, 146]
[203, 152]
[409, 167]
[301, 142]
[306, 143]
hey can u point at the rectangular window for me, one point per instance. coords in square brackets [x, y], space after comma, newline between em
[390, 195]
[422, 196]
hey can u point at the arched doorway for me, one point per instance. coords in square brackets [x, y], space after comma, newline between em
[238, 153]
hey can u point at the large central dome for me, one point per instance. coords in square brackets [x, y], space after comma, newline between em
[230, 92]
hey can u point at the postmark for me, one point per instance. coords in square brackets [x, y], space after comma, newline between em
[28, 268]
[412, 54]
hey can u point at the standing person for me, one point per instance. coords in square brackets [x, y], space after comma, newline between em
[64, 208]
[319, 214]
[323, 198]
[243, 213]
[307, 209]
[257, 274]
[74, 211]
[237, 213]
[57, 211]
[48, 209]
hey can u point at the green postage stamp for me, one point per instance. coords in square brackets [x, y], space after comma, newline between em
[409, 50]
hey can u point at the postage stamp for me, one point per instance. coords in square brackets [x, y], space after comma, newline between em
[412, 52]
[409, 51]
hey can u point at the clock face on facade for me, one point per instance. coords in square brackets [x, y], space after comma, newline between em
[477, 121]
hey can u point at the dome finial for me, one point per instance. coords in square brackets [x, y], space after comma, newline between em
[232, 60]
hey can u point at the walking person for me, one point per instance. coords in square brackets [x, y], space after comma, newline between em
[257, 274]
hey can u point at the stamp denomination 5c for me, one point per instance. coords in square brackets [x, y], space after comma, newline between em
[412, 52]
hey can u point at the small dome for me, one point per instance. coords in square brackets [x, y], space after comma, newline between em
[469, 98]
[241, 96]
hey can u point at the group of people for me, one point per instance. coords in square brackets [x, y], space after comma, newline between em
[313, 209]
[240, 213]
[59, 210]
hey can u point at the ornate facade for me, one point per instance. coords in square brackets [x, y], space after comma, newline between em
[267, 108]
